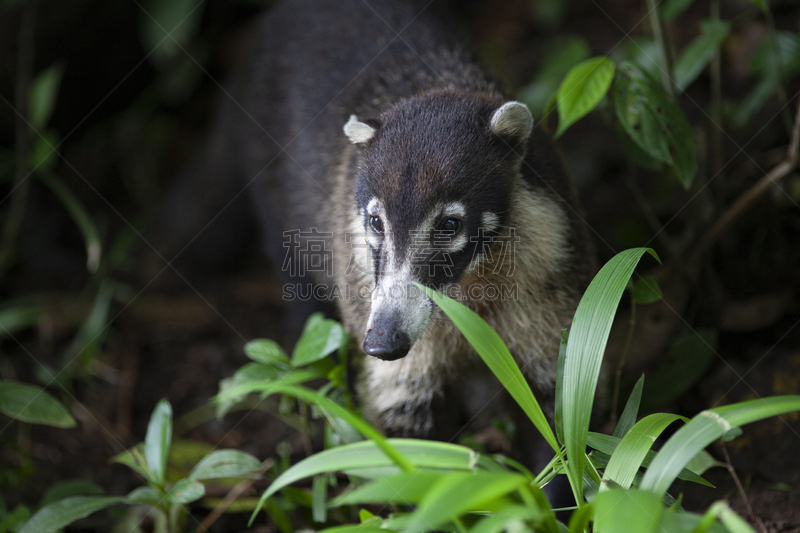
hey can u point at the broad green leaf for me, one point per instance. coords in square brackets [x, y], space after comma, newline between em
[633, 448]
[697, 54]
[186, 491]
[627, 510]
[320, 338]
[145, 494]
[13, 521]
[27, 403]
[64, 512]
[80, 216]
[266, 352]
[628, 417]
[71, 487]
[672, 8]
[134, 459]
[646, 291]
[495, 354]
[705, 428]
[582, 89]
[655, 123]
[702, 462]
[43, 94]
[158, 440]
[225, 463]
[456, 493]
[405, 488]
[253, 372]
[16, 318]
[587, 343]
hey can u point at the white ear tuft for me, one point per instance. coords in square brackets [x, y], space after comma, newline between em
[512, 119]
[358, 132]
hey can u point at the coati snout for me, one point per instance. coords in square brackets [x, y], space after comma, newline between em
[433, 188]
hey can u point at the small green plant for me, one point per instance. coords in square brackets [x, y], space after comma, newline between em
[620, 486]
[166, 500]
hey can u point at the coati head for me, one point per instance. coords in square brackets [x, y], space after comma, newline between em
[433, 188]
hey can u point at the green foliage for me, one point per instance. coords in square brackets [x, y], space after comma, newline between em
[698, 53]
[582, 89]
[27, 403]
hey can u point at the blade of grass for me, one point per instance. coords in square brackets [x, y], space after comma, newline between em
[628, 417]
[587, 342]
[704, 429]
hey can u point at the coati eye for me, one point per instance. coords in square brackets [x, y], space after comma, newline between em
[450, 225]
[377, 224]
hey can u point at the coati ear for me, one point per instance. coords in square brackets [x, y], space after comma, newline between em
[358, 132]
[512, 119]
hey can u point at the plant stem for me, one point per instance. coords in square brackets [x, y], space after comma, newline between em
[664, 50]
[753, 516]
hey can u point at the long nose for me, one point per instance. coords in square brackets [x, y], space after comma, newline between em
[386, 340]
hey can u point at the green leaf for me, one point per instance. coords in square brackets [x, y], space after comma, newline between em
[697, 54]
[628, 417]
[456, 493]
[145, 494]
[367, 455]
[627, 510]
[158, 440]
[319, 501]
[646, 291]
[702, 462]
[587, 343]
[509, 518]
[266, 352]
[705, 428]
[606, 444]
[672, 8]
[320, 338]
[71, 487]
[64, 512]
[225, 463]
[558, 416]
[186, 491]
[655, 123]
[27, 403]
[17, 318]
[357, 528]
[43, 94]
[582, 89]
[43, 154]
[405, 488]
[633, 448]
[13, 521]
[134, 459]
[495, 354]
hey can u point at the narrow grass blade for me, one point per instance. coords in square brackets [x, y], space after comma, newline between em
[627, 510]
[558, 416]
[405, 488]
[495, 354]
[633, 448]
[628, 417]
[587, 343]
[705, 428]
[55, 516]
[459, 492]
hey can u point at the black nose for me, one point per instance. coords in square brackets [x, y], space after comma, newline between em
[386, 344]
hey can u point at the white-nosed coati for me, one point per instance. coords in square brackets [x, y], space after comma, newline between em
[365, 128]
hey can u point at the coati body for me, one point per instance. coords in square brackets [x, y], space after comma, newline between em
[365, 125]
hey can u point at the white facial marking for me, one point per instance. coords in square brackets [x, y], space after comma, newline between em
[490, 221]
[358, 132]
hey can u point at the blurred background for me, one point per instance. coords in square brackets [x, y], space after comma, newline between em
[104, 103]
